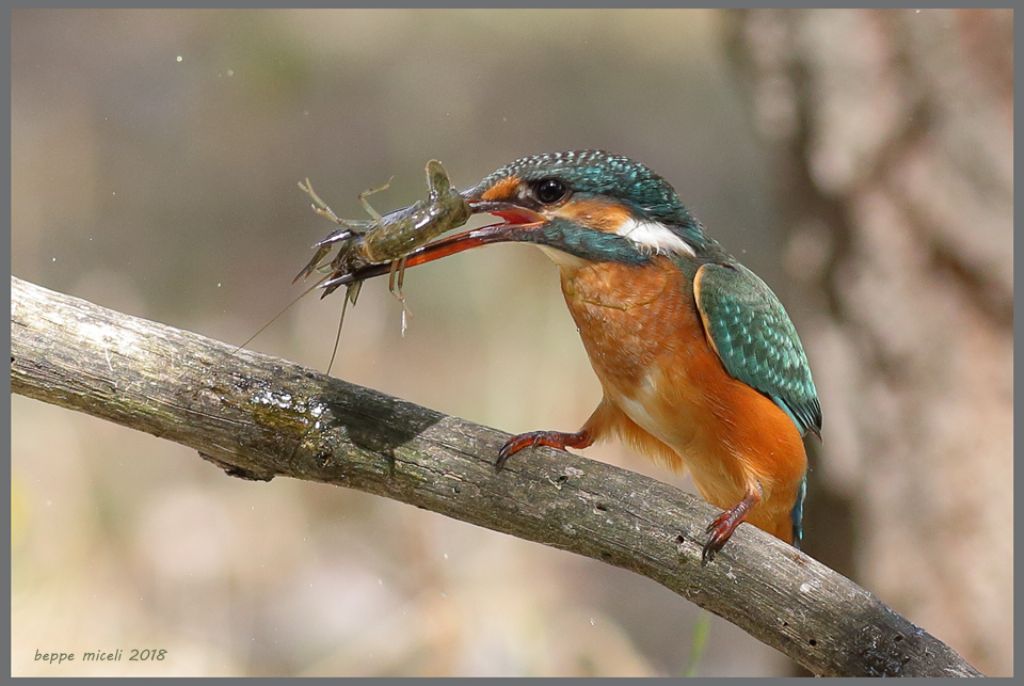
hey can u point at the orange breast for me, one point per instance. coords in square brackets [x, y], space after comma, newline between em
[646, 342]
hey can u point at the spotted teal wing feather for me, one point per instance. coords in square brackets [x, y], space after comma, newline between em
[756, 341]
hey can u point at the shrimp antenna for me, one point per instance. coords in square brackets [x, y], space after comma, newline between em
[337, 336]
[277, 316]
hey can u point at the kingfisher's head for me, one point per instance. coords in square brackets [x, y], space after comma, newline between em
[587, 204]
[578, 206]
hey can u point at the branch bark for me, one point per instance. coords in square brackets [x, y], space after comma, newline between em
[258, 417]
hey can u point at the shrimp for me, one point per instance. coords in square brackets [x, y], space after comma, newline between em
[385, 239]
[381, 243]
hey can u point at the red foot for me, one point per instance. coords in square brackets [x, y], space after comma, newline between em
[552, 439]
[721, 528]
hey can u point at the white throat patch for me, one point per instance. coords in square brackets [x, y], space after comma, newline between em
[654, 238]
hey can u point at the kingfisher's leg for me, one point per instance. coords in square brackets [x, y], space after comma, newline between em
[721, 528]
[552, 439]
[598, 424]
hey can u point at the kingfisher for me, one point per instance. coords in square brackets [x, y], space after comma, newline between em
[700, 366]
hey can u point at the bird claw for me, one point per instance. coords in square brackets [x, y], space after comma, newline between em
[513, 445]
[721, 528]
[718, 522]
[532, 439]
[719, 531]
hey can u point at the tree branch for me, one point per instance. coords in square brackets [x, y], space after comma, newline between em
[258, 417]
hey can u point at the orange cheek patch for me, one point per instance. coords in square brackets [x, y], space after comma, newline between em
[503, 190]
[602, 216]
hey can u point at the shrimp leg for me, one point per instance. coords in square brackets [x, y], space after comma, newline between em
[319, 206]
[370, 191]
[395, 287]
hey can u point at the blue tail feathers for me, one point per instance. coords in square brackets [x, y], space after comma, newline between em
[797, 514]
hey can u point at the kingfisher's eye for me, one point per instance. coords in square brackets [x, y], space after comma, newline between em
[550, 190]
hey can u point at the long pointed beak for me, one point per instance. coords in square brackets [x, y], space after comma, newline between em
[519, 221]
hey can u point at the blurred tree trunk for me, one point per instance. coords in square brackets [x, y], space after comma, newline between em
[893, 132]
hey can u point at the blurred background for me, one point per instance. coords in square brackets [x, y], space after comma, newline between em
[859, 161]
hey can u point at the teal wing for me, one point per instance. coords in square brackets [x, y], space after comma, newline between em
[756, 341]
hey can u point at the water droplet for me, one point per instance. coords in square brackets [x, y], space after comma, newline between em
[218, 284]
[593, 622]
[231, 72]
[446, 556]
[179, 58]
[53, 259]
